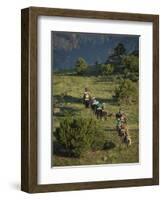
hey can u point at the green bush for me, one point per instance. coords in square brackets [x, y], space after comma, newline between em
[133, 76]
[98, 141]
[131, 64]
[78, 135]
[108, 145]
[107, 69]
[126, 92]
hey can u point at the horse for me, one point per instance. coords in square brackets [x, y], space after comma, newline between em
[98, 113]
[86, 103]
[124, 134]
[127, 140]
[103, 114]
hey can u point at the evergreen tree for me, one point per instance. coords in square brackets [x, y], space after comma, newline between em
[81, 66]
[119, 50]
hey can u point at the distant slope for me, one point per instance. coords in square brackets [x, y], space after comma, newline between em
[67, 47]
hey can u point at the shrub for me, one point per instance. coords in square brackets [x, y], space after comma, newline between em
[98, 141]
[131, 63]
[126, 92]
[133, 76]
[108, 145]
[107, 69]
[78, 135]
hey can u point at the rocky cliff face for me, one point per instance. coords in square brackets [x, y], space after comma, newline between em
[93, 47]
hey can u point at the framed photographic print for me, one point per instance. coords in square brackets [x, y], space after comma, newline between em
[90, 99]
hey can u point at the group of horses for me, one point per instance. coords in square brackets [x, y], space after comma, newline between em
[99, 111]
[121, 127]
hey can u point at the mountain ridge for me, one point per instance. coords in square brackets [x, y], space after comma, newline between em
[67, 47]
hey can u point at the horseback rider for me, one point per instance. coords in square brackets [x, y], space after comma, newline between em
[94, 104]
[121, 120]
[119, 114]
[118, 124]
[99, 110]
[86, 98]
[123, 132]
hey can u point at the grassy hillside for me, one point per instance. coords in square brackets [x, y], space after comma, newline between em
[67, 94]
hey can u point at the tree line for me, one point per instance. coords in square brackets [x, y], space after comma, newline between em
[120, 64]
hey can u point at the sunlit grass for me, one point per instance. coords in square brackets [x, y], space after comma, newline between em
[69, 91]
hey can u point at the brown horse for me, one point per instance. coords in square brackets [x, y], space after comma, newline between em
[124, 134]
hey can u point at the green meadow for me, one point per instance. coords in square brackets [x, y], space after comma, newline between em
[67, 95]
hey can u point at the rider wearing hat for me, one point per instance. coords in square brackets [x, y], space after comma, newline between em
[86, 98]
